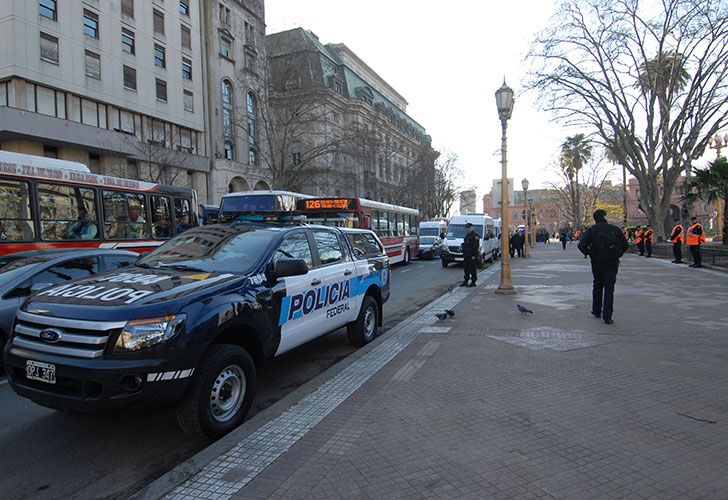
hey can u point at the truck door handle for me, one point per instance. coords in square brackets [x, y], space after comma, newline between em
[348, 272]
[315, 282]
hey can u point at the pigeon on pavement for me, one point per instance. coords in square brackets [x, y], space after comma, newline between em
[523, 309]
[450, 312]
[441, 316]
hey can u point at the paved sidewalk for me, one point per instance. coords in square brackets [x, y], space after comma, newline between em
[497, 404]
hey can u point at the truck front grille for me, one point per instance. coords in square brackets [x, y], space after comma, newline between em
[454, 249]
[75, 338]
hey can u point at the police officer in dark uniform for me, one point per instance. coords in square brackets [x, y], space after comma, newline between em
[471, 246]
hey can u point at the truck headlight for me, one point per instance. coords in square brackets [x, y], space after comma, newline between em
[143, 333]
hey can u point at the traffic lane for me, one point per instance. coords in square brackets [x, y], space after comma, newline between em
[47, 454]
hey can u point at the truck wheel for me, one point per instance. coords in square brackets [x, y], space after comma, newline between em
[365, 327]
[220, 393]
[443, 262]
[406, 260]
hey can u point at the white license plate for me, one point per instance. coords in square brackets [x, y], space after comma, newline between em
[458, 259]
[43, 372]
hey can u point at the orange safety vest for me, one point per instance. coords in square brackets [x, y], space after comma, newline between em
[677, 236]
[695, 239]
[648, 235]
[638, 236]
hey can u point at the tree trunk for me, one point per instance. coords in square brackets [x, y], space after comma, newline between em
[724, 240]
[578, 222]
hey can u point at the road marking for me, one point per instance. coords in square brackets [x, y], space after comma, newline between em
[406, 270]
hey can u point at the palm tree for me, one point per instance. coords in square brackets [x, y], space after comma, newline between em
[575, 152]
[711, 184]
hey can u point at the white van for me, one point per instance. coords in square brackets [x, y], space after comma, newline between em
[430, 245]
[483, 224]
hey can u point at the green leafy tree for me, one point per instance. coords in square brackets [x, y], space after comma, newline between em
[711, 184]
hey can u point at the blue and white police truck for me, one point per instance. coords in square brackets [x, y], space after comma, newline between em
[191, 320]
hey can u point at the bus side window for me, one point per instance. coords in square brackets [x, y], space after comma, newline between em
[67, 212]
[407, 225]
[393, 223]
[124, 215]
[16, 223]
[161, 217]
[183, 214]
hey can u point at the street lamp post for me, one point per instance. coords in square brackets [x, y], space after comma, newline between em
[718, 143]
[504, 101]
[527, 211]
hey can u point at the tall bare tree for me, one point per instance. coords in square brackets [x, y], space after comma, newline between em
[649, 79]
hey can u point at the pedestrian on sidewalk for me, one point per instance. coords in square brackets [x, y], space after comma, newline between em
[471, 247]
[677, 238]
[648, 240]
[563, 239]
[512, 243]
[604, 243]
[520, 240]
[639, 240]
[694, 238]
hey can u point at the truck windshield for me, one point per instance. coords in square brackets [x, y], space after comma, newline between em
[429, 231]
[212, 249]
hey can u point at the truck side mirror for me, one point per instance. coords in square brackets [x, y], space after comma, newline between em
[287, 267]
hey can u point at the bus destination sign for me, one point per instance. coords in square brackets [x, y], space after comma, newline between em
[328, 204]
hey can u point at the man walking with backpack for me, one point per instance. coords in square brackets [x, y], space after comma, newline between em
[605, 244]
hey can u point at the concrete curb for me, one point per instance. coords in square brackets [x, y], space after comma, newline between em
[189, 468]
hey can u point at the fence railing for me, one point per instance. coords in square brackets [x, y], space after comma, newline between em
[712, 254]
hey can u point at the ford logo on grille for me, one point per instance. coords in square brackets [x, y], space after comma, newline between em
[50, 335]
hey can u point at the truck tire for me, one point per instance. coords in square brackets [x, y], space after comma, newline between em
[366, 326]
[220, 393]
[406, 260]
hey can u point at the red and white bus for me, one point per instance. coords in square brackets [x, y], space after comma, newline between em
[396, 226]
[47, 203]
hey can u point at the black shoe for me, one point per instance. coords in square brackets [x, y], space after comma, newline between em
[608, 321]
[596, 314]
[692, 265]
[464, 283]
[678, 262]
[674, 262]
[471, 285]
[699, 266]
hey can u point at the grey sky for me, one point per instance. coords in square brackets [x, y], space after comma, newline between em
[447, 59]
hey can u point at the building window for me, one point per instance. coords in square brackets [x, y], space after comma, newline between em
[160, 56]
[127, 41]
[93, 65]
[228, 104]
[48, 8]
[249, 34]
[184, 7]
[49, 48]
[130, 81]
[249, 62]
[250, 107]
[186, 69]
[226, 47]
[189, 101]
[229, 150]
[186, 37]
[50, 152]
[250, 103]
[297, 158]
[158, 23]
[127, 8]
[161, 90]
[252, 156]
[90, 23]
[224, 15]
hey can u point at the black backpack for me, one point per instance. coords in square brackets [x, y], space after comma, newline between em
[606, 243]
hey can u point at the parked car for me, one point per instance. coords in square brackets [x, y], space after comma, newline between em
[24, 273]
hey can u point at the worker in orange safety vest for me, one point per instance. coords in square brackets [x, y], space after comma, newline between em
[694, 238]
[647, 236]
[677, 239]
[640, 241]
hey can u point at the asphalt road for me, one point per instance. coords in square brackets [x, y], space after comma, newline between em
[47, 454]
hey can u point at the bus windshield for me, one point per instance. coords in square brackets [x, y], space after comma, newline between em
[338, 219]
[258, 203]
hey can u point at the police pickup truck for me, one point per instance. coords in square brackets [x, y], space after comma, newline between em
[189, 322]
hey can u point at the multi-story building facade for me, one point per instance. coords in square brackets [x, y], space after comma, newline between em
[340, 128]
[235, 66]
[150, 89]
